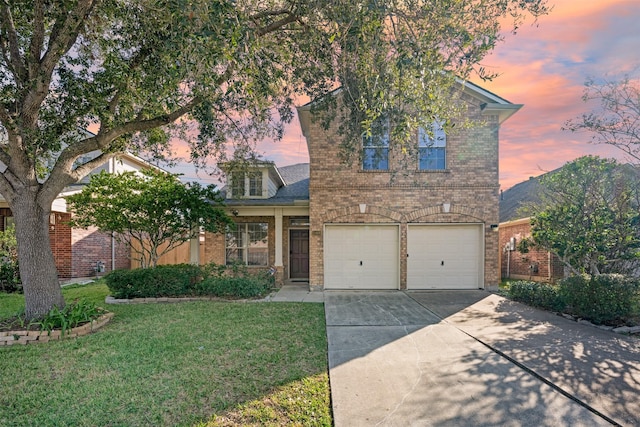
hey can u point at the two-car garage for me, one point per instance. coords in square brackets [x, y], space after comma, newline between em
[439, 256]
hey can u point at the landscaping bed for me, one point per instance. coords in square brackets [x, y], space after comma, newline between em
[609, 301]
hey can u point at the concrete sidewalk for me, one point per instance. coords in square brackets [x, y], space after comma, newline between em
[473, 358]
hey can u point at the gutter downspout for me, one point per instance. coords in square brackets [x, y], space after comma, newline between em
[113, 252]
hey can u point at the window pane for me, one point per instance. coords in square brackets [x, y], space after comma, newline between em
[375, 158]
[375, 147]
[258, 250]
[255, 184]
[248, 244]
[237, 185]
[432, 158]
[234, 244]
[235, 238]
[437, 138]
[234, 255]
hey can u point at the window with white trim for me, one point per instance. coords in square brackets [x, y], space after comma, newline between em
[375, 147]
[255, 184]
[246, 184]
[248, 244]
[432, 148]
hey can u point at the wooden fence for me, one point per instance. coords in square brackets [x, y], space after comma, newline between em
[178, 255]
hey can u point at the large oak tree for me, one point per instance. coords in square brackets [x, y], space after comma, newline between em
[129, 69]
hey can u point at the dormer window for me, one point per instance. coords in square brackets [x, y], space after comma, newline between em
[247, 185]
[255, 184]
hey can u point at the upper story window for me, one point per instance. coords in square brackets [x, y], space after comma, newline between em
[255, 184]
[246, 184]
[432, 148]
[237, 185]
[375, 148]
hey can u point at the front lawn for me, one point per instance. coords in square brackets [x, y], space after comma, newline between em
[200, 363]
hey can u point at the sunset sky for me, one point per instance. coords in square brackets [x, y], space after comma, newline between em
[543, 67]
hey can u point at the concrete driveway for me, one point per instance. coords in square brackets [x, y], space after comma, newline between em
[472, 358]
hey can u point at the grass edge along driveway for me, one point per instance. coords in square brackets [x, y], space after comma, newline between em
[198, 363]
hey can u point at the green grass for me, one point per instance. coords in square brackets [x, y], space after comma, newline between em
[201, 363]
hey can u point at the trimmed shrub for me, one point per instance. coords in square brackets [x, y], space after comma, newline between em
[249, 286]
[604, 299]
[9, 276]
[161, 281]
[189, 280]
[542, 295]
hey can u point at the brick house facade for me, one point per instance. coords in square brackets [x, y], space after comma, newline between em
[536, 264]
[402, 226]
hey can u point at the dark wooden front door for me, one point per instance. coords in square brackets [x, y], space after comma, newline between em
[299, 254]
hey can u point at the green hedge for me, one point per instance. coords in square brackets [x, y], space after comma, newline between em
[542, 295]
[161, 281]
[188, 280]
[235, 287]
[604, 299]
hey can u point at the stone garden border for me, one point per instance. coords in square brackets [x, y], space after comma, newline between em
[33, 337]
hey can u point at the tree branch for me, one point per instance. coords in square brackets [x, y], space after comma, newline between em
[63, 37]
[37, 39]
[12, 55]
[277, 25]
[62, 173]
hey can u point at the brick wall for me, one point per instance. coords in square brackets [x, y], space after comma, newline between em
[90, 246]
[60, 240]
[405, 195]
[537, 264]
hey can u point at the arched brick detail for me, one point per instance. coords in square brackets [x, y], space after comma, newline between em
[458, 210]
[354, 210]
[427, 211]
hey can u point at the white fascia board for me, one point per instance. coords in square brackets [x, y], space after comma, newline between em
[503, 111]
[268, 210]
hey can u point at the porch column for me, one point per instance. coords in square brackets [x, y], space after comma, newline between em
[278, 216]
[194, 250]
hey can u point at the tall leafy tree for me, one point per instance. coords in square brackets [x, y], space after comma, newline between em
[152, 212]
[589, 216]
[134, 70]
[615, 119]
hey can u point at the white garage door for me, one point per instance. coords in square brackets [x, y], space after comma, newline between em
[445, 256]
[361, 257]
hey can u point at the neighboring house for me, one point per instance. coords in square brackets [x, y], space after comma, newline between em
[536, 264]
[79, 252]
[393, 221]
[515, 226]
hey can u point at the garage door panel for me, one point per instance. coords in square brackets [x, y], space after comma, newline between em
[361, 257]
[444, 256]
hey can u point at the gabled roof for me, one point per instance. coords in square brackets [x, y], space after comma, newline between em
[490, 104]
[516, 197]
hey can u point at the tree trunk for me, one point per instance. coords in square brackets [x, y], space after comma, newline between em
[37, 266]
